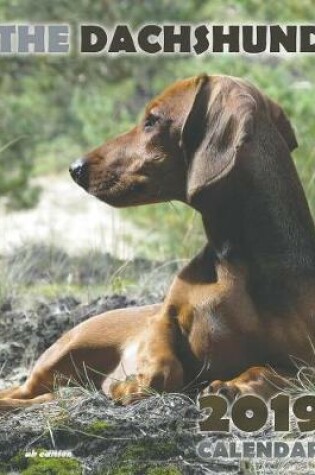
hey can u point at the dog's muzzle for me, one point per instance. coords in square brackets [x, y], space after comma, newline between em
[79, 171]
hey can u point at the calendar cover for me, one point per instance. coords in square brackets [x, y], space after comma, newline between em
[157, 247]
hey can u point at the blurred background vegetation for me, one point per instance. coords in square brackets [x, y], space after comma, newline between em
[55, 108]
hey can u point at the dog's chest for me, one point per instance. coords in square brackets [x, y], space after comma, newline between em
[218, 320]
[217, 342]
[127, 367]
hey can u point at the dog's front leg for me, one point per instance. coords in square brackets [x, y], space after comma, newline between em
[158, 368]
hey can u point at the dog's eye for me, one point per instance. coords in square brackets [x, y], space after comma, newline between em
[150, 121]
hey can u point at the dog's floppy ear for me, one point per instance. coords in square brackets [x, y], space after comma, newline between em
[282, 124]
[218, 124]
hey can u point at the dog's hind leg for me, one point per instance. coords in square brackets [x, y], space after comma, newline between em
[11, 403]
[86, 354]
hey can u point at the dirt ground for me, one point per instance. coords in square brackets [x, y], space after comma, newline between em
[67, 217]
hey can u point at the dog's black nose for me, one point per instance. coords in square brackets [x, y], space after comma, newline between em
[79, 170]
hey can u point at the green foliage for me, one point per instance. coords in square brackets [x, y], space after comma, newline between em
[52, 466]
[18, 461]
[149, 449]
[170, 470]
[149, 457]
[173, 230]
[14, 180]
[40, 465]
[135, 469]
[103, 110]
[98, 427]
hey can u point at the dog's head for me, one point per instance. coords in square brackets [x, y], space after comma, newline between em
[191, 136]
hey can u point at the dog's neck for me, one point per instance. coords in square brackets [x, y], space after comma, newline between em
[259, 215]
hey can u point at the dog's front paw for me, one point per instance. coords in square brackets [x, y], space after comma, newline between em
[228, 389]
[128, 391]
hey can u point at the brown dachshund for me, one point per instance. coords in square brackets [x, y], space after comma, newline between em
[242, 312]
